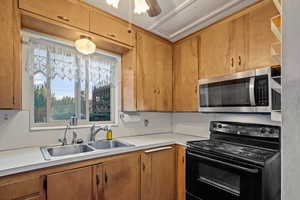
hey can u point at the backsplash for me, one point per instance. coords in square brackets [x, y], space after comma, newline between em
[15, 133]
[198, 123]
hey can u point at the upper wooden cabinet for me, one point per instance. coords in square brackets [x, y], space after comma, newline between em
[238, 44]
[261, 37]
[154, 74]
[107, 26]
[70, 12]
[214, 51]
[185, 74]
[158, 176]
[10, 92]
[76, 184]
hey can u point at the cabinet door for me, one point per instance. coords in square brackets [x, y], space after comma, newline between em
[116, 30]
[121, 179]
[129, 81]
[66, 11]
[186, 64]
[158, 174]
[7, 53]
[163, 74]
[74, 184]
[146, 72]
[261, 36]
[31, 187]
[239, 44]
[181, 192]
[215, 50]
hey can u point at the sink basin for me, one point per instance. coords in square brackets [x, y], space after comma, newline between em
[109, 144]
[58, 151]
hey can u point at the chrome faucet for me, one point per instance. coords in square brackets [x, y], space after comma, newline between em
[72, 122]
[94, 131]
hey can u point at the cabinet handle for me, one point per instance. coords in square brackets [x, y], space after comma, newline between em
[196, 89]
[158, 149]
[232, 62]
[158, 91]
[105, 178]
[111, 35]
[144, 167]
[63, 18]
[97, 180]
[240, 61]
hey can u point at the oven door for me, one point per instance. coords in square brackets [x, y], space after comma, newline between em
[211, 179]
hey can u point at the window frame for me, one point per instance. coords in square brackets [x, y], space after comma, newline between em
[60, 124]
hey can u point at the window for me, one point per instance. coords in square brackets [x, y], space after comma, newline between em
[65, 83]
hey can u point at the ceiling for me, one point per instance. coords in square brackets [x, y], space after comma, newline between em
[179, 18]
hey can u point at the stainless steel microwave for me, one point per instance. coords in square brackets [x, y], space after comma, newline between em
[244, 92]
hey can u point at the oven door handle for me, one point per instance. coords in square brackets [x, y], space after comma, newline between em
[252, 171]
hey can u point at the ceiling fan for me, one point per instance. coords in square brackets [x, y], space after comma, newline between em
[141, 6]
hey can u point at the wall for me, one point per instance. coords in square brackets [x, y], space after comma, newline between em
[198, 123]
[15, 133]
[291, 100]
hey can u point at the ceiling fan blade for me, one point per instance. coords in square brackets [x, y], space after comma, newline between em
[154, 8]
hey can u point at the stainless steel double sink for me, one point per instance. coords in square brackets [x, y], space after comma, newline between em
[59, 151]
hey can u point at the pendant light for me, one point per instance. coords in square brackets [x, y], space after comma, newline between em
[113, 3]
[85, 45]
[140, 6]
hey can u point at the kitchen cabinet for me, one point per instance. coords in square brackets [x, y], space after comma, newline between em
[261, 37]
[181, 163]
[129, 101]
[30, 188]
[75, 184]
[65, 11]
[158, 176]
[121, 179]
[10, 92]
[185, 74]
[154, 74]
[214, 51]
[114, 29]
[239, 44]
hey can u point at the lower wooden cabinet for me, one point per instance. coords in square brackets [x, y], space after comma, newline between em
[121, 179]
[152, 174]
[73, 184]
[158, 174]
[30, 188]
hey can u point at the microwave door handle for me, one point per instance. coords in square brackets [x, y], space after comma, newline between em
[252, 171]
[252, 91]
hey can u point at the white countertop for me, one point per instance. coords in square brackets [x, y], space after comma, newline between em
[28, 159]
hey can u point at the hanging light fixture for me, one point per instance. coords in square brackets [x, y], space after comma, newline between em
[85, 45]
[113, 3]
[140, 6]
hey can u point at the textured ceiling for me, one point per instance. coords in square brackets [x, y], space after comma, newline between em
[179, 18]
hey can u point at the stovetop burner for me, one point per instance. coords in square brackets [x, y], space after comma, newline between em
[234, 149]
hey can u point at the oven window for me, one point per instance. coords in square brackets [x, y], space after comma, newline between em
[226, 94]
[219, 178]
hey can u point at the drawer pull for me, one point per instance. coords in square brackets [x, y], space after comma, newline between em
[111, 35]
[63, 18]
[158, 149]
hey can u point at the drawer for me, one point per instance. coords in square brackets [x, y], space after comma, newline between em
[105, 25]
[29, 188]
[70, 12]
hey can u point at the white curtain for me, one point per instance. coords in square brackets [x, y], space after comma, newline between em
[55, 60]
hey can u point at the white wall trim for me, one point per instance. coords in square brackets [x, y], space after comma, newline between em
[172, 13]
[206, 17]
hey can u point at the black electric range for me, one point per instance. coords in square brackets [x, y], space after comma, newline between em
[239, 162]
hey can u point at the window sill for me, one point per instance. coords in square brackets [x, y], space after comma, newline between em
[48, 128]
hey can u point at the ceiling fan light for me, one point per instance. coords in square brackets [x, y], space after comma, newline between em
[85, 45]
[140, 6]
[113, 3]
